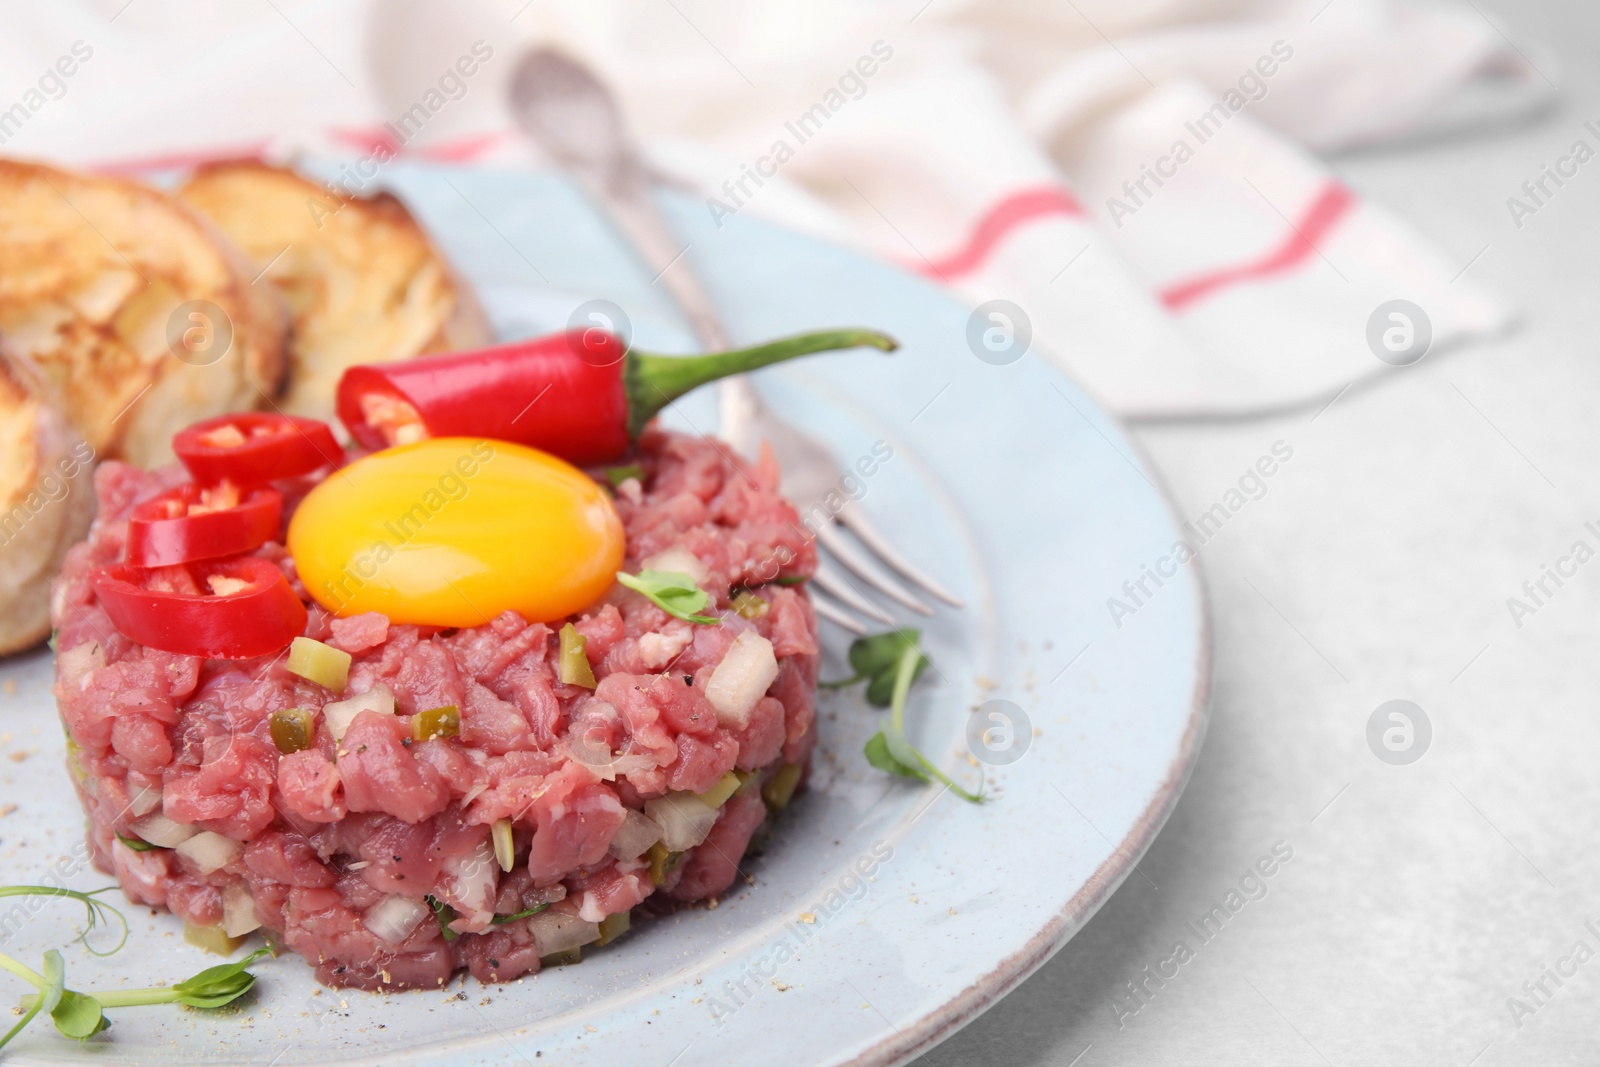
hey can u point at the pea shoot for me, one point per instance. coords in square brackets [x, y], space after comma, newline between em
[673, 592]
[889, 663]
[82, 1015]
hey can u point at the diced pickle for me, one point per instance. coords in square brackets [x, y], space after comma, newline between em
[750, 605]
[436, 722]
[614, 926]
[718, 794]
[563, 958]
[662, 862]
[292, 729]
[779, 789]
[211, 938]
[575, 669]
[320, 663]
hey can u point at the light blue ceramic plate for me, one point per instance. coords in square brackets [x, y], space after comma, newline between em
[885, 915]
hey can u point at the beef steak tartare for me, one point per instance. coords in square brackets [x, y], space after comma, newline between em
[457, 805]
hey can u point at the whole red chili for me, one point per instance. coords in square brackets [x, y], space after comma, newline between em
[221, 609]
[581, 395]
[192, 522]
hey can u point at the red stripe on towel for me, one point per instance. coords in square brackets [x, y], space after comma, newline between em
[996, 224]
[1325, 212]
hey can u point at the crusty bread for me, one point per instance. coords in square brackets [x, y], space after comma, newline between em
[362, 280]
[46, 502]
[93, 273]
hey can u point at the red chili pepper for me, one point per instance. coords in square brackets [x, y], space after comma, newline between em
[223, 609]
[191, 522]
[255, 447]
[581, 395]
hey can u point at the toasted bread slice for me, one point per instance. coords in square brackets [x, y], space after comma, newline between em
[363, 282]
[46, 502]
[98, 277]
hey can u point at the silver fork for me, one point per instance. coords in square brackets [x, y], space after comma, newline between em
[566, 110]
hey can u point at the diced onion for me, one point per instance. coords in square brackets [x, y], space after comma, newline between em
[505, 852]
[143, 800]
[238, 911]
[338, 715]
[680, 560]
[210, 851]
[394, 917]
[635, 836]
[607, 765]
[747, 670]
[162, 832]
[684, 818]
[556, 931]
[471, 881]
[320, 663]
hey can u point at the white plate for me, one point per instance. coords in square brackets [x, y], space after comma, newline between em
[1006, 481]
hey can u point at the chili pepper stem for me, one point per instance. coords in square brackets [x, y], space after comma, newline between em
[652, 382]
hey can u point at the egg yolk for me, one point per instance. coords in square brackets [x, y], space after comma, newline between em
[453, 531]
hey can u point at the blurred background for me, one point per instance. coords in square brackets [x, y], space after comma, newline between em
[1362, 229]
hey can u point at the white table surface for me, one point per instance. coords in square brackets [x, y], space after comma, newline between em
[1419, 898]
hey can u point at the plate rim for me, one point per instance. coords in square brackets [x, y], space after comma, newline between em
[912, 1040]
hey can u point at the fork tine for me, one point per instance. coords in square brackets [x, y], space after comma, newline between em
[835, 614]
[829, 578]
[873, 538]
[869, 571]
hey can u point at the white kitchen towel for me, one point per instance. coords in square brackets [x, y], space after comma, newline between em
[1136, 180]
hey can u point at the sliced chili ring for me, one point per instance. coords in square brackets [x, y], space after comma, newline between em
[219, 609]
[193, 522]
[255, 447]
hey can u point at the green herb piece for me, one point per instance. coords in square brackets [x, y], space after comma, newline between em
[135, 844]
[889, 749]
[617, 475]
[875, 660]
[791, 579]
[672, 591]
[82, 1015]
[446, 915]
[74, 1014]
[78, 1015]
[213, 987]
[96, 911]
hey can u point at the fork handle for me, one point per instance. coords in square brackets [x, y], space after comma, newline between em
[627, 200]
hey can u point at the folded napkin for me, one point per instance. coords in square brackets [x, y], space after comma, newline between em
[1129, 190]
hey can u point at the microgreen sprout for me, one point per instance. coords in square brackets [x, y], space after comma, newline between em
[82, 1015]
[673, 592]
[889, 663]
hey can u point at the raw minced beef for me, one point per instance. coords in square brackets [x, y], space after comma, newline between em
[339, 845]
